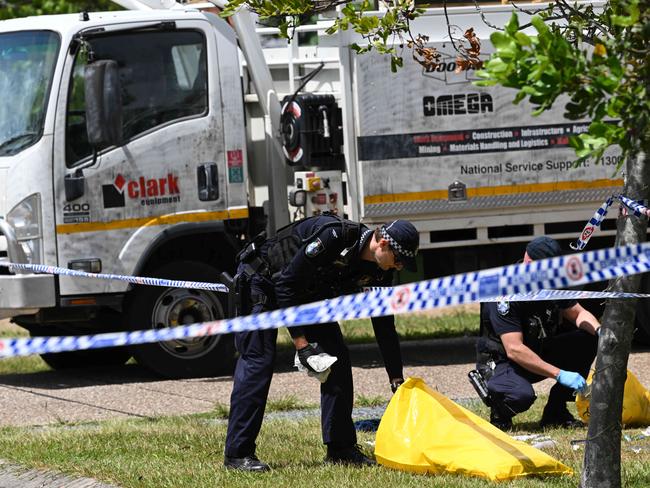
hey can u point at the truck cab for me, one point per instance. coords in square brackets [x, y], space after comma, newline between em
[167, 199]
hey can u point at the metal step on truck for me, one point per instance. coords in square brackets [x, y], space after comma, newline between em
[155, 141]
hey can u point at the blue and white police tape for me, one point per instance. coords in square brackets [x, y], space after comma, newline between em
[137, 280]
[594, 223]
[559, 272]
[555, 295]
[543, 295]
[637, 207]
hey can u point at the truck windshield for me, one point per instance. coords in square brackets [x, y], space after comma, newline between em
[27, 61]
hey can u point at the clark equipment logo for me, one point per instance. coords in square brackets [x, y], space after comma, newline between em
[148, 191]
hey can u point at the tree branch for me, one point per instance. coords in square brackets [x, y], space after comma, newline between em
[527, 12]
[484, 19]
[578, 13]
[451, 38]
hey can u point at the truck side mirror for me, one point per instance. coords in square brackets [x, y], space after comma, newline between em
[298, 198]
[103, 103]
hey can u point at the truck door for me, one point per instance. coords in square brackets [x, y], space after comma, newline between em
[174, 136]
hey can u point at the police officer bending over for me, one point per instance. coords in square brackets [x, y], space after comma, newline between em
[313, 259]
[520, 344]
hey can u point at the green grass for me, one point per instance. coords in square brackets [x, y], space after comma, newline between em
[187, 452]
[23, 365]
[20, 365]
[283, 404]
[364, 401]
[287, 403]
[457, 322]
[220, 411]
[422, 325]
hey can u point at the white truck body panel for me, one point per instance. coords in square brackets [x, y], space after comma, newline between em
[505, 156]
[409, 145]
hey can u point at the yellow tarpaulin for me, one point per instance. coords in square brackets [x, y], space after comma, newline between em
[423, 431]
[636, 403]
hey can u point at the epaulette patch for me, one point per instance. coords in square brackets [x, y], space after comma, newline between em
[314, 248]
[503, 307]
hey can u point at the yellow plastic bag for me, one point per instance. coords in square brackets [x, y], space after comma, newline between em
[423, 431]
[636, 403]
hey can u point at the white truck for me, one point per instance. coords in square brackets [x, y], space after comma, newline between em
[147, 143]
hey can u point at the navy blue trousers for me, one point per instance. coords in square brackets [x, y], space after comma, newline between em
[252, 381]
[570, 351]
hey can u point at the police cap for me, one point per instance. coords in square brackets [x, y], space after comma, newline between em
[543, 247]
[404, 239]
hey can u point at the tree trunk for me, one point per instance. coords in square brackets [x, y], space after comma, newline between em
[602, 461]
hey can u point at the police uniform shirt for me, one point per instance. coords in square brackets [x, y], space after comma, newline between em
[319, 270]
[505, 317]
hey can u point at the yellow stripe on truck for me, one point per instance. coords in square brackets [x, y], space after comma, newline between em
[494, 191]
[238, 213]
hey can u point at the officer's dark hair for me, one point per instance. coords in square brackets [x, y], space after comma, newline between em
[377, 234]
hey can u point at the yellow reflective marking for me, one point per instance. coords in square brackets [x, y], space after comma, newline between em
[237, 213]
[494, 191]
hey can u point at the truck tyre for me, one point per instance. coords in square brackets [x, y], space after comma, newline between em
[154, 307]
[111, 356]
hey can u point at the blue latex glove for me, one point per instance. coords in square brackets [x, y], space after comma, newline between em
[571, 380]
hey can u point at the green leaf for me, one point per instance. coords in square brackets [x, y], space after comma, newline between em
[395, 62]
[388, 19]
[539, 25]
[485, 83]
[531, 90]
[496, 65]
[358, 49]
[614, 107]
[598, 129]
[500, 40]
[622, 20]
[512, 27]
[284, 30]
[523, 39]
[519, 97]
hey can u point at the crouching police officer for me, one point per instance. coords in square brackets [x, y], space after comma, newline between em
[520, 344]
[313, 259]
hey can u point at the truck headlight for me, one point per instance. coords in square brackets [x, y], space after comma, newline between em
[25, 218]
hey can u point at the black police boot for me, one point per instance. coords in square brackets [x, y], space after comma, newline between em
[558, 416]
[499, 420]
[352, 455]
[247, 463]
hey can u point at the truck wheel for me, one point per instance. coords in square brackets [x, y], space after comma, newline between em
[154, 307]
[110, 356]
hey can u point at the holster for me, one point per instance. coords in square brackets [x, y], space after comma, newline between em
[488, 353]
[237, 293]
